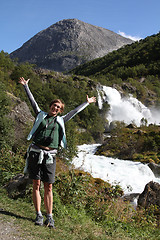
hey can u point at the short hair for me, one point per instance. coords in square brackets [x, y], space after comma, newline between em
[57, 101]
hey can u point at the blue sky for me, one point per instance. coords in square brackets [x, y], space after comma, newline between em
[20, 20]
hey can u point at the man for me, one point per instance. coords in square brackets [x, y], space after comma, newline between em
[48, 133]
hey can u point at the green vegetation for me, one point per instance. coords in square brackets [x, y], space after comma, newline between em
[46, 86]
[135, 60]
[138, 64]
[84, 208]
[138, 144]
[72, 223]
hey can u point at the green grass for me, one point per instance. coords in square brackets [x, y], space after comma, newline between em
[70, 223]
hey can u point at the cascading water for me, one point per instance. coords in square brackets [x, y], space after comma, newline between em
[127, 109]
[131, 176]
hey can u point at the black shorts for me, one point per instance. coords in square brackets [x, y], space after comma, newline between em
[44, 172]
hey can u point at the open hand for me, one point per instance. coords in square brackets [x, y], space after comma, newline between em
[91, 100]
[23, 81]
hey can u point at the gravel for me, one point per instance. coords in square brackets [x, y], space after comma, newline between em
[8, 230]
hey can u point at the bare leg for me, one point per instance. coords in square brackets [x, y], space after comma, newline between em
[36, 195]
[48, 197]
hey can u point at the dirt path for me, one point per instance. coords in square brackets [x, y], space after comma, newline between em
[8, 230]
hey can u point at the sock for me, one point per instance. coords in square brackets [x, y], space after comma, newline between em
[49, 215]
[39, 213]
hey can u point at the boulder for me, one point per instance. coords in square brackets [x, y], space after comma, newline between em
[132, 198]
[131, 125]
[155, 168]
[17, 186]
[151, 197]
[22, 119]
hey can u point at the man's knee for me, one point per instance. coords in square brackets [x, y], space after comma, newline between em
[36, 184]
[48, 187]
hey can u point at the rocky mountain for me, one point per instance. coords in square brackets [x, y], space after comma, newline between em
[67, 44]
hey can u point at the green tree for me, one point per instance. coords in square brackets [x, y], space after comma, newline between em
[5, 62]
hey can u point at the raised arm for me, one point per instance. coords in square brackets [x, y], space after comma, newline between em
[78, 109]
[29, 94]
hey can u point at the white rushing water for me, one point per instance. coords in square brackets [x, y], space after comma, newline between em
[127, 109]
[131, 176]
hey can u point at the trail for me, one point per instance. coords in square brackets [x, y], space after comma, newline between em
[8, 231]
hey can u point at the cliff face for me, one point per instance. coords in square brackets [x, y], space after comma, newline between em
[22, 119]
[67, 44]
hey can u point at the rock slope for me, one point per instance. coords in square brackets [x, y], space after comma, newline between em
[67, 44]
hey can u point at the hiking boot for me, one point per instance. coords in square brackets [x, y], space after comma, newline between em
[49, 222]
[39, 220]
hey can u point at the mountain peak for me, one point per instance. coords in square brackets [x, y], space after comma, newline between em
[67, 44]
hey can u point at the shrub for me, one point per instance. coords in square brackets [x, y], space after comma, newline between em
[10, 164]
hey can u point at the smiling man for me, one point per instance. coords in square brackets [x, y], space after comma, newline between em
[48, 133]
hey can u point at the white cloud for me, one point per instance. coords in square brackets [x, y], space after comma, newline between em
[134, 38]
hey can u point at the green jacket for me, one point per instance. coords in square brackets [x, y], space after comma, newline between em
[60, 119]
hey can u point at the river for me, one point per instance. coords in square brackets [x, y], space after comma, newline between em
[131, 176]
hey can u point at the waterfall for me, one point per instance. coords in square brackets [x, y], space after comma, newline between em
[127, 109]
[131, 176]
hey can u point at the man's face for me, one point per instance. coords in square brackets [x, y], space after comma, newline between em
[55, 109]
